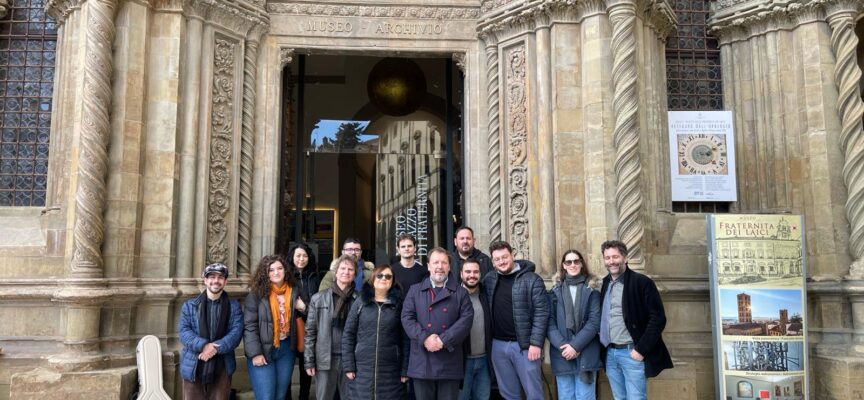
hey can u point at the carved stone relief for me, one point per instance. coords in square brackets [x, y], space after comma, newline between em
[221, 149]
[517, 147]
[339, 10]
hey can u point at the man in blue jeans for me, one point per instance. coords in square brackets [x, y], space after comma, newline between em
[520, 314]
[631, 325]
[477, 383]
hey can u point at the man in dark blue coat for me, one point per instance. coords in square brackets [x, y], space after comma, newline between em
[437, 317]
[210, 328]
[631, 323]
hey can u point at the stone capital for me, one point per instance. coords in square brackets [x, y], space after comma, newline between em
[286, 56]
[237, 16]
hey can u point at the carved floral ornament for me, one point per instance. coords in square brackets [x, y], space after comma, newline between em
[221, 139]
[519, 17]
[517, 133]
[345, 10]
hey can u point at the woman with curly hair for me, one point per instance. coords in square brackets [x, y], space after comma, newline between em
[270, 335]
[573, 326]
[302, 261]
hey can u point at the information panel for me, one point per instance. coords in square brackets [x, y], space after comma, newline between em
[758, 302]
[702, 156]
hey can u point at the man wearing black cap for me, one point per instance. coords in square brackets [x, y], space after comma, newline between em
[211, 326]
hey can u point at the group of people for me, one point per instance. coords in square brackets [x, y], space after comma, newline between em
[448, 329]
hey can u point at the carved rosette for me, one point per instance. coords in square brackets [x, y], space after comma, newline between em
[847, 77]
[517, 149]
[222, 126]
[493, 137]
[247, 148]
[628, 197]
[95, 128]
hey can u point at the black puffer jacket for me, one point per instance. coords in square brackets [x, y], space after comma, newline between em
[530, 303]
[374, 347]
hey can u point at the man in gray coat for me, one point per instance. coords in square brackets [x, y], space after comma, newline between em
[325, 321]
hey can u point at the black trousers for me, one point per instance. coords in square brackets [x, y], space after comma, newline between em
[436, 389]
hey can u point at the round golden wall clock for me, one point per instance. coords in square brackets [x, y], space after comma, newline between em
[702, 154]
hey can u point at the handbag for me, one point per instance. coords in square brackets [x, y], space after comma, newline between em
[301, 335]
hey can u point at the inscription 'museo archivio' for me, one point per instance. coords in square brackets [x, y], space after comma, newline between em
[326, 26]
[409, 29]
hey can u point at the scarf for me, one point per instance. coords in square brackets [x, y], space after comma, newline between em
[281, 321]
[343, 301]
[572, 313]
[207, 370]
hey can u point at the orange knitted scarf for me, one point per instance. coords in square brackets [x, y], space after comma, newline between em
[281, 321]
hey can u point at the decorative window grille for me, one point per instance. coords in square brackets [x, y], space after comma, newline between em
[693, 80]
[28, 43]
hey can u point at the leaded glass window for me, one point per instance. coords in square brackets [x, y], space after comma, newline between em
[28, 41]
[693, 78]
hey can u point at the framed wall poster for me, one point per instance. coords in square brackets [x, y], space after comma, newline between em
[702, 156]
[759, 305]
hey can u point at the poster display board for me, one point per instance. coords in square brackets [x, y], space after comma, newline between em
[702, 156]
[759, 306]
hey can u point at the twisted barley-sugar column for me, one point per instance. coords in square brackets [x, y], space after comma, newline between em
[628, 197]
[847, 77]
[493, 137]
[89, 229]
[247, 147]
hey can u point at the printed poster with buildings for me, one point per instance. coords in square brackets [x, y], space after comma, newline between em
[702, 156]
[758, 302]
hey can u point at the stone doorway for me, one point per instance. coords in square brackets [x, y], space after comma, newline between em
[371, 148]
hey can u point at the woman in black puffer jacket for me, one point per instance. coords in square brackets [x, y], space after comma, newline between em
[373, 342]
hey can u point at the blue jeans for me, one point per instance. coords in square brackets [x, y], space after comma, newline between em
[477, 384]
[626, 375]
[579, 386]
[271, 381]
[515, 373]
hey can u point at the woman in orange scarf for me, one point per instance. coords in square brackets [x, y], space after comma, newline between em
[270, 336]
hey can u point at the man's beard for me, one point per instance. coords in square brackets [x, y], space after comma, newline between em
[470, 286]
[439, 278]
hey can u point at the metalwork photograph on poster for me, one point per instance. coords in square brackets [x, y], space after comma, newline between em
[758, 275]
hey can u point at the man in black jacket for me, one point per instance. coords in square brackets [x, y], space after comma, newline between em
[631, 325]
[463, 243]
[520, 315]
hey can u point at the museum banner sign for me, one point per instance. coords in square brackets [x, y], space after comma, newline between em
[702, 156]
[758, 306]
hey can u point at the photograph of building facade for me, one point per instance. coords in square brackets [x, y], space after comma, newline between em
[141, 140]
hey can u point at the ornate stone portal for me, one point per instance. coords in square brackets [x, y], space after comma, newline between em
[165, 156]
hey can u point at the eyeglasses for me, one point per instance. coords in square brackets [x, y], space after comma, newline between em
[572, 262]
[384, 277]
[350, 250]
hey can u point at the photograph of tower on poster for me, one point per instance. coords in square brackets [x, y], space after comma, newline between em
[415, 220]
[755, 312]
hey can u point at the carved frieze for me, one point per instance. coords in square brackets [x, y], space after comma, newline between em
[221, 149]
[383, 10]
[516, 106]
[525, 16]
[745, 19]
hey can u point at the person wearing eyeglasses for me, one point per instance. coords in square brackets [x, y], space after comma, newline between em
[350, 247]
[373, 344]
[520, 314]
[574, 350]
[437, 317]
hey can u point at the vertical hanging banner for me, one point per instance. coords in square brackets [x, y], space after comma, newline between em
[702, 156]
[758, 306]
